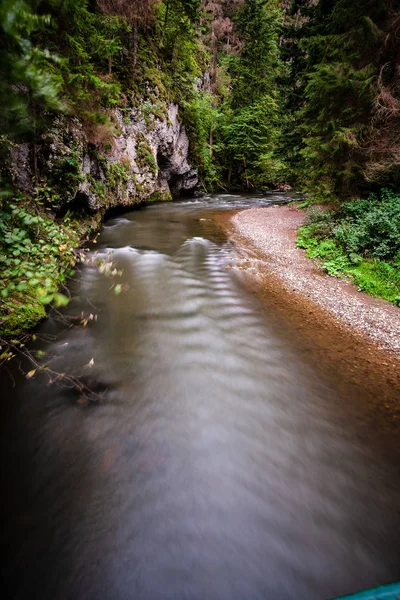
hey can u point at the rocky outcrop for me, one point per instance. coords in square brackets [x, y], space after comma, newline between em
[157, 151]
[142, 155]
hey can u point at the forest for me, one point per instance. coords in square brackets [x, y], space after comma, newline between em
[273, 94]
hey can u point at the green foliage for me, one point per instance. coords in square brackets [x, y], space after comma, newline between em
[250, 136]
[360, 240]
[36, 256]
[64, 176]
[163, 196]
[90, 45]
[56, 61]
[234, 125]
[254, 73]
[28, 72]
[117, 176]
[145, 158]
[117, 173]
[99, 188]
[180, 52]
[338, 57]
[371, 226]
[250, 129]
[86, 51]
[157, 109]
[201, 117]
[186, 59]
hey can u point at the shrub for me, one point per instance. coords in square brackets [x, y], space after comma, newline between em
[361, 240]
[371, 226]
[36, 256]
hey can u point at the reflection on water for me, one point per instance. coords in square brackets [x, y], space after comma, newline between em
[216, 467]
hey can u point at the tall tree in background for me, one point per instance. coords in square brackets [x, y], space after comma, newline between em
[137, 13]
[251, 131]
[383, 149]
[220, 32]
[259, 24]
[342, 65]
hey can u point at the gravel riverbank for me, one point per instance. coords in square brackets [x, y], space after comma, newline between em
[272, 231]
[350, 332]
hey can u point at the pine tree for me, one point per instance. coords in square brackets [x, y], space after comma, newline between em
[251, 130]
[338, 49]
[27, 76]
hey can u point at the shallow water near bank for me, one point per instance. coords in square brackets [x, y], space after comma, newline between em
[219, 463]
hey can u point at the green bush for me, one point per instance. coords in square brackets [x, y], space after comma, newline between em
[36, 256]
[361, 240]
[371, 226]
[322, 221]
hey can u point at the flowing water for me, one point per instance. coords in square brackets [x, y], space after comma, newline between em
[218, 465]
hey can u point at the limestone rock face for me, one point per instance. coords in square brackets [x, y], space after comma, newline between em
[143, 156]
[171, 146]
[157, 151]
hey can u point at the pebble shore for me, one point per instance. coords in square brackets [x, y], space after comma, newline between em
[272, 234]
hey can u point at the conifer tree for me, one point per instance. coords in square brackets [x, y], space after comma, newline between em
[251, 130]
[339, 60]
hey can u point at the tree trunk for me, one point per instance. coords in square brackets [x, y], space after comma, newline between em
[214, 62]
[134, 45]
[245, 172]
[34, 145]
[165, 24]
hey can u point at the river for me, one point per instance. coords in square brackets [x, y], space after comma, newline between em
[218, 464]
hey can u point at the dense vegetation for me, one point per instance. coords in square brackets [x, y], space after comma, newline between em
[344, 135]
[360, 240]
[344, 59]
[303, 92]
[273, 93]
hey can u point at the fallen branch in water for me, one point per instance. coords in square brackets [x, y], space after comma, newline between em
[16, 348]
[63, 380]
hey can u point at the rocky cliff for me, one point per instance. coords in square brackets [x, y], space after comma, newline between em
[66, 181]
[142, 154]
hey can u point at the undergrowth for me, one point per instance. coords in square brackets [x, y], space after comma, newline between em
[360, 241]
[37, 254]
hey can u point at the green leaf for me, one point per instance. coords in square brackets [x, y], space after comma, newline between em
[60, 300]
[46, 298]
